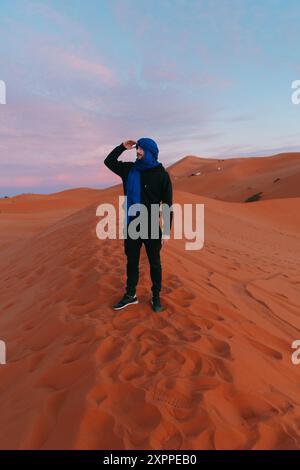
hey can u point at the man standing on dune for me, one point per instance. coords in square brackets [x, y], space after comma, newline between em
[145, 181]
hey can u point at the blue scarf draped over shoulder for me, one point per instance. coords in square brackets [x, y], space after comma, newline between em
[133, 184]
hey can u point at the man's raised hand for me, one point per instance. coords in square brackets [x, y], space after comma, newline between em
[129, 144]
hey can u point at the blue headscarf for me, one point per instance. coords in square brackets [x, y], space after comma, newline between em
[133, 186]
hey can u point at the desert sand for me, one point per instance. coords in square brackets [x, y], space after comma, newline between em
[212, 371]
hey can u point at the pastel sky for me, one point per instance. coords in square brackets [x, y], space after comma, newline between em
[207, 77]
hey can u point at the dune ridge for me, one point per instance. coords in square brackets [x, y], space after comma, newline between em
[236, 179]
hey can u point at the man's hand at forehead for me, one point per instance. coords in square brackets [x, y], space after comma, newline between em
[130, 144]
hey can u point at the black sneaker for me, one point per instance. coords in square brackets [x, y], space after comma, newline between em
[126, 300]
[156, 305]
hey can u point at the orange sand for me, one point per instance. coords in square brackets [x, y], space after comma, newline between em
[213, 371]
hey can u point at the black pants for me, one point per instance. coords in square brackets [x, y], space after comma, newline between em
[132, 250]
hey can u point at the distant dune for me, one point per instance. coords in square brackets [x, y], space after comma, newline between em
[236, 179]
[212, 371]
[24, 215]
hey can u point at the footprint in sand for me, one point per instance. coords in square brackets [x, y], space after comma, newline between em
[182, 296]
[173, 281]
[270, 352]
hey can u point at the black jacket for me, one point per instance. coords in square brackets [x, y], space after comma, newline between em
[156, 184]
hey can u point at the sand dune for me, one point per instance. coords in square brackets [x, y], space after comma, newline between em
[236, 179]
[213, 371]
[24, 215]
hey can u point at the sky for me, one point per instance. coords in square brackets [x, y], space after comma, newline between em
[209, 78]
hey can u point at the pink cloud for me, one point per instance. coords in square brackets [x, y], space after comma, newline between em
[81, 64]
[100, 179]
[58, 60]
[22, 181]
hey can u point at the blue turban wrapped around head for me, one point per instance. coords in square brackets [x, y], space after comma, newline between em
[149, 160]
